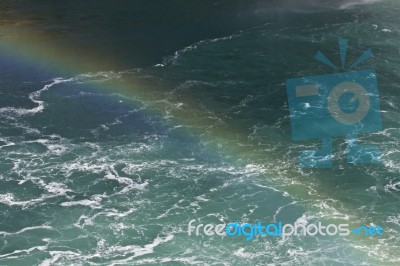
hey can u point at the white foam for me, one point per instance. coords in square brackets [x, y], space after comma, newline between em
[54, 146]
[242, 253]
[57, 188]
[56, 255]
[353, 3]
[27, 251]
[81, 78]
[94, 202]
[97, 76]
[9, 200]
[137, 251]
[114, 252]
[35, 98]
[394, 219]
[7, 143]
[112, 174]
[27, 229]
[171, 60]
[392, 187]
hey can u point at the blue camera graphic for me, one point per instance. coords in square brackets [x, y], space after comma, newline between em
[335, 105]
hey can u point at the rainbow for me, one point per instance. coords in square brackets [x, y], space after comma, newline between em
[232, 142]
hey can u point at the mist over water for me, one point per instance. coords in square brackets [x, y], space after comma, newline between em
[311, 5]
[326, 3]
[121, 122]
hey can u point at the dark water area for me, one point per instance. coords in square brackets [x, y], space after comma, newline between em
[139, 33]
[135, 32]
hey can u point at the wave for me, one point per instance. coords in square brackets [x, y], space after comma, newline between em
[35, 98]
[81, 78]
[29, 228]
[349, 4]
[118, 254]
[171, 60]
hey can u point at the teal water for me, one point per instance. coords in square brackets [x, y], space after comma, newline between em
[90, 175]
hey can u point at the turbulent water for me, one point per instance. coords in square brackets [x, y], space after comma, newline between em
[185, 116]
